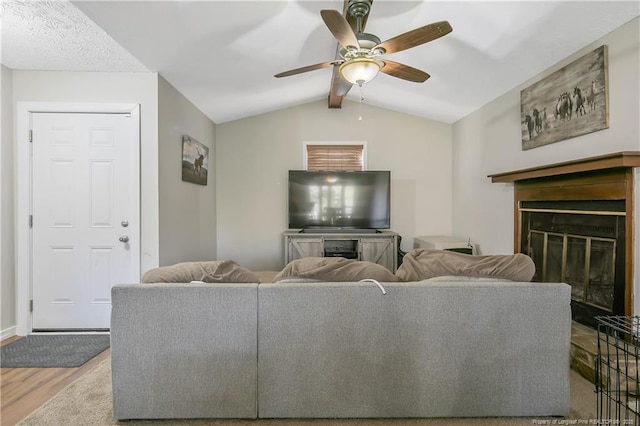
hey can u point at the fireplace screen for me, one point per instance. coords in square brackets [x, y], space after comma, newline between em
[586, 263]
[581, 244]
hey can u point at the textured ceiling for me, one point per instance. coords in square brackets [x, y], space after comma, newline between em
[55, 35]
[222, 55]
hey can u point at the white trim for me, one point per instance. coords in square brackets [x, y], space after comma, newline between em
[363, 143]
[8, 332]
[23, 190]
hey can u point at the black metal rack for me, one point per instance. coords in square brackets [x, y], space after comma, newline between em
[617, 376]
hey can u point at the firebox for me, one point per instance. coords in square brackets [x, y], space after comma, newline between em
[581, 243]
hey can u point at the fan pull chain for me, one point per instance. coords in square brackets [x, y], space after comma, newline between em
[361, 99]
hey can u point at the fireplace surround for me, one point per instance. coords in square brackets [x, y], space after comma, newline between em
[575, 219]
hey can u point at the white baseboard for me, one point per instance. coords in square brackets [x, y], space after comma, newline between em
[8, 332]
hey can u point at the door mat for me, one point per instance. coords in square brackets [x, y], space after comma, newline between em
[41, 351]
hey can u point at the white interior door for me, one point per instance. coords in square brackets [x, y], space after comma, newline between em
[85, 208]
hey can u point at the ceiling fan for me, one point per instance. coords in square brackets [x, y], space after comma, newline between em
[359, 58]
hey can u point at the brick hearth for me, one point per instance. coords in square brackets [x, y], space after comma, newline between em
[584, 349]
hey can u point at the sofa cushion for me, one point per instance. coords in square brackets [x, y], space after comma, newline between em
[334, 269]
[217, 271]
[421, 264]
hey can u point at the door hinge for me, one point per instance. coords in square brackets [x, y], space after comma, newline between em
[30, 221]
[31, 305]
[30, 136]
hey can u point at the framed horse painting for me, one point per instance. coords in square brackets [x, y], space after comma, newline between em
[572, 101]
[195, 161]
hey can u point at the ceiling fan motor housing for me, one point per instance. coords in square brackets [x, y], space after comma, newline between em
[366, 44]
[367, 41]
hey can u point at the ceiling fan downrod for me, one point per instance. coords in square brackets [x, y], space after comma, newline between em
[359, 9]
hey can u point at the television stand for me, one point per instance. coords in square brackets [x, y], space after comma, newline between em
[370, 245]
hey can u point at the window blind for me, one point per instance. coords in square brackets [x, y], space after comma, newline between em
[335, 157]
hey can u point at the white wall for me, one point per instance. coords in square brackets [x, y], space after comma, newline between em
[489, 141]
[94, 87]
[7, 270]
[253, 156]
[187, 211]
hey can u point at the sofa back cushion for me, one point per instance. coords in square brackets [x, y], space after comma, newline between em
[334, 269]
[217, 271]
[421, 264]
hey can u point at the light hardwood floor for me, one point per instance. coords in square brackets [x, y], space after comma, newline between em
[23, 390]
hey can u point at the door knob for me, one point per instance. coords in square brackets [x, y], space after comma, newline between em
[124, 239]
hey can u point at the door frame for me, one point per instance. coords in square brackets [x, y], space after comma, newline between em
[23, 194]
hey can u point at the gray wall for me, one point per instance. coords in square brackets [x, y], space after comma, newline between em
[253, 156]
[187, 211]
[489, 141]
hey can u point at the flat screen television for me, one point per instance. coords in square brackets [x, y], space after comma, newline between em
[323, 200]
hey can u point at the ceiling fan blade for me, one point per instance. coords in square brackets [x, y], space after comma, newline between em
[340, 28]
[416, 37]
[404, 72]
[339, 86]
[308, 68]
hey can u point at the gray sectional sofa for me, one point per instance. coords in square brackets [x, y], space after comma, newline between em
[432, 348]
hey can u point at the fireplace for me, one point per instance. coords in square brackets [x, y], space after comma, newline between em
[575, 220]
[582, 244]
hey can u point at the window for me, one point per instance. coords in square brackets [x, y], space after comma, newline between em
[335, 156]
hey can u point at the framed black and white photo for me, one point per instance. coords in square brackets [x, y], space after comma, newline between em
[572, 101]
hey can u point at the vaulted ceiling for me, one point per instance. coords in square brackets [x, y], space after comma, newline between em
[222, 55]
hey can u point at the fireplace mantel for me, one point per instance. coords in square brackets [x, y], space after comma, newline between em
[605, 177]
[625, 159]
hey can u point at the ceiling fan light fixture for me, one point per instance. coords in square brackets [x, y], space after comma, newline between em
[360, 70]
